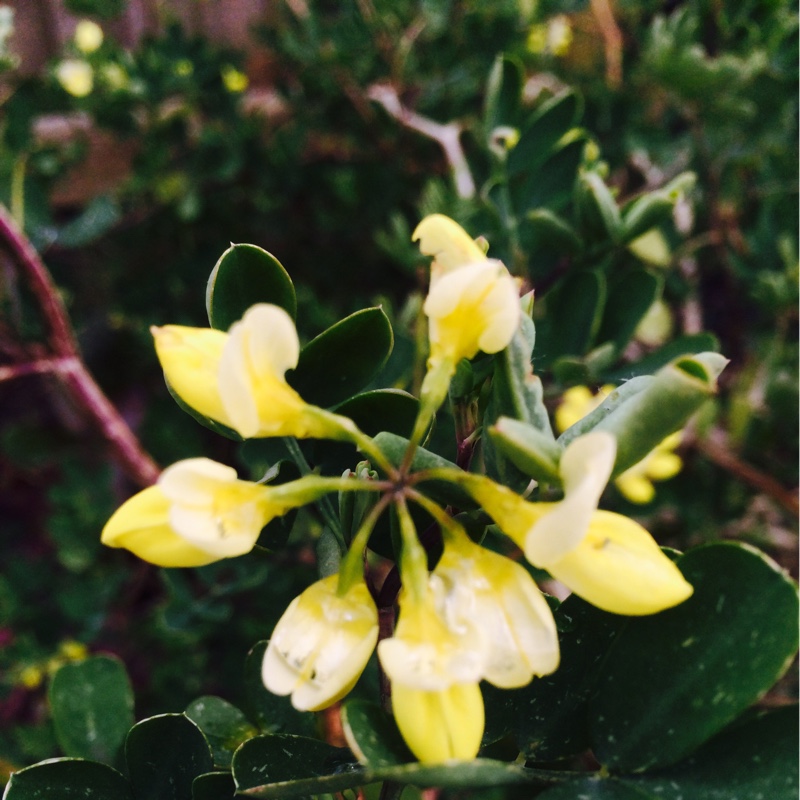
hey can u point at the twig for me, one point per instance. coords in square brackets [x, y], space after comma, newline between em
[716, 449]
[67, 363]
[612, 38]
[40, 367]
[447, 136]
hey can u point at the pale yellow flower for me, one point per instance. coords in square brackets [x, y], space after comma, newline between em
[321, 644]
[576, 403]
[605, 558]
[238, 378]
[473, 302]
[76, 76]
[198, 513]
[88, 36]
[488, 595]
[434, 671]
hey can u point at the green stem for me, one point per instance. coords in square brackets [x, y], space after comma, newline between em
[18, 189]
[352, 569]
[324, 503]
[413, 559]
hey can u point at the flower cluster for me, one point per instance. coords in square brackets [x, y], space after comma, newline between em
[477, 615]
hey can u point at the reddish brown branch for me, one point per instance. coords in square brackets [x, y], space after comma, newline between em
[612, 39]
[65, 360]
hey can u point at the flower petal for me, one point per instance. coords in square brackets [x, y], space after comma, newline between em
[440, 725]
[585, 467]
[449, 244]
[141, 526]
[619, 567]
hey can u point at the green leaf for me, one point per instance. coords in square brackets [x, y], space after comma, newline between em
[282, 765]
[629, 299]
[516, 393]
[503, 91]
[752, 760]
[67, 779]
[551, 718]
[574, 311]
[597, 209]
[342, 360]
[599, 789]
[214, 786]
[394, 448]
[224, 726]
[270, 712]
[245, 275]
[674, 679]
[535, 454]
[652, 209]
[206, 422]
[92, 707]
[373, 735]
[687, 344]
[165, 754]
[664, 406]
[294, 766]
[554, 230]
[551, 184]
[540, 135]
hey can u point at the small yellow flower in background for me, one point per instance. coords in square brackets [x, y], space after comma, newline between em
[473, 302]
[72, 650]
[321, 644]
[31, 677]
[75, 76]
[88, 36]
[237, 378]
[660, 464]
[233, 79]
[605, 558]
[435, 671]
[198, 513]
[553, 37]
[115, 76]
[577, 402]
[636, 483]
[183, 68]
[487, 593]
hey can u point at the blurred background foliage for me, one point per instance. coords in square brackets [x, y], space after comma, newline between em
[132, 168]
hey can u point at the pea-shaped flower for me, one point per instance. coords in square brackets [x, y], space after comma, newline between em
[473, 302]
[434, 671]
[606, 558]
[238, 378]
[321, 644]
[498, 600]
[197, 513]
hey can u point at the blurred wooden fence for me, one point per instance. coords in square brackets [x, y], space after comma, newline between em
[42, 26]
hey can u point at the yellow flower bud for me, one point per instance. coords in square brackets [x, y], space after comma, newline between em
[88, 36]
[321, 644]
[198, 513]
[72, 650]
[75, 76]
[473, 302]
[31, 677]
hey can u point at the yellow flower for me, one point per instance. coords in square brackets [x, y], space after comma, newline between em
[636, 483]
[234, 80]
[199, 512]
[88, 36]
[434, 671]
[321, 644]
[473, 302]
[477, 590]
[72, 650]
[576, 403]
[76, 76]
[606, 558]
[31, 677]
[237, 378]
[659, 464]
